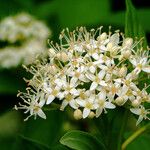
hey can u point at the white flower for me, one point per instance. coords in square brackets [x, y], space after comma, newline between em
[52, 93]
[78, 74]
[69, 99]
[140, 64]
[103, 103]
[88, 104]
[33, 105]
[96, 79]
[69, 87]
[141, 112]
[122, 95]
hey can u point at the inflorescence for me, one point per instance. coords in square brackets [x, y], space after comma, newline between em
[92, 72]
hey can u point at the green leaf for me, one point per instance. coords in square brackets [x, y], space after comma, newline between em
[133, 26]
[79, 140]
[25, 143]
[59, 147]
[76, 13]
[142, 142]
[46, 131]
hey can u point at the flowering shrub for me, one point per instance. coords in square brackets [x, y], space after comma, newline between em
[91, 72]
[22, 34]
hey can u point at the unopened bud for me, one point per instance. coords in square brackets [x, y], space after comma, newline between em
[126, 54]
[77, 114]
[128, 42]
[62, 56]
[119, 101]
[123, 71]
[102, 37]
[110, 46]
[53, 69]
[91, 115]
[135, 103]
[52, 52]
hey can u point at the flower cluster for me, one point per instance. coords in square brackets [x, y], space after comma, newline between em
[20, 35]
[92, 72]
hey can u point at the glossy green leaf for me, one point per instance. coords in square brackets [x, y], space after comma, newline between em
[79, 140]
[133, 26]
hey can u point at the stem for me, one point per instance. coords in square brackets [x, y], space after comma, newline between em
[123, 125]
[134, 136]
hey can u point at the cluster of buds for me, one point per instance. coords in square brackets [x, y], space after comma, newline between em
[91, 72]
[21, 35]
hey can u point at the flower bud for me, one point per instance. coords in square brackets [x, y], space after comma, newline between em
[126, 54]
[53, 70]
[77, 114]
[102, 37]
[52, 52]
[119, 101]
[110, 46]
[135, 103]
[128, 42]
[62, 56]
[123, 71]
[91, 115]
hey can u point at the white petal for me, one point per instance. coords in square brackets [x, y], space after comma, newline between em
[109, 105]
[146, 69]
[103, 48]
[136, 111]
[95, 56]
[91, 99]
[133, 61]
[124, 90]
[90, 76]
[139, 120]
[61, 95]
[42, 102]
[73, 82]
[93, 86]
[101, 74]
[82, 103]
[102, 83]
[103, 67]
[143, 61]
[63, 105]
[59, 82]
[92, 69]
[98, 112]
[50, 99]
[86, 112]
[41, 114]
[83, 78]
[74, 92]
[102, 95]
[73, 104]
[118, 80]
[114, 38]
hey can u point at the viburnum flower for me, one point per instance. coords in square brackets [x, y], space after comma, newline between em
[141, 112]
[33, 104]
[103, 103]
[93, 72]
[141, 63]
